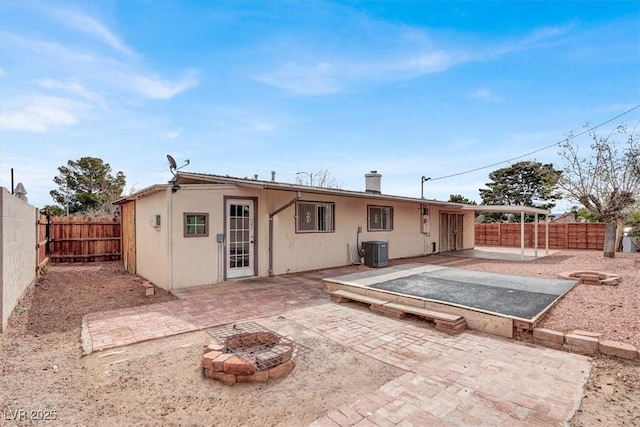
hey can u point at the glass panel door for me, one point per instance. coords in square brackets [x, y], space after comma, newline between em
[240, 238]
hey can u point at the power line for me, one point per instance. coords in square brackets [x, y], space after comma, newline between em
[539, 149]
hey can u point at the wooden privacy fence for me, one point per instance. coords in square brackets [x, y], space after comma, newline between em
[81, 239]
[41, 248]
[561, 235]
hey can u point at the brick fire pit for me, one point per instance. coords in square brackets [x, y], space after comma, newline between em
[592, 277]
[244, 353]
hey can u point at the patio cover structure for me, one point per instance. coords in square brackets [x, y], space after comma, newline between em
[522, 210]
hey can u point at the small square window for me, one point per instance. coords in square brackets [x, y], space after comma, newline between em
[314, 217]
[379, 218]
[196, 224]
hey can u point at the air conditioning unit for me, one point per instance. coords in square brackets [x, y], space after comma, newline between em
[376, 253]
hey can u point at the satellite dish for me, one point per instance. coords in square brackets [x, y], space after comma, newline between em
[172, 162]
[173, 167]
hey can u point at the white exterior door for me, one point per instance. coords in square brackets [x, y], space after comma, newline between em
[240, 238]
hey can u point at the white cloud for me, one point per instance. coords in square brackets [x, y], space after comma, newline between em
[171, 135]
[41, 113]
[431, 62]
[89, 25]
[157, 88]
[241, 120]
[48, 49]
[262, 126]
[411, 53]
[313, 79]
[92, 70]
[73, 88]
[485, 95]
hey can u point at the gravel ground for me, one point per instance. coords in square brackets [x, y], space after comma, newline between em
[613, 311]
[42, 368]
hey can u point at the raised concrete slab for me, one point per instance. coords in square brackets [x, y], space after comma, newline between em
[520, 297]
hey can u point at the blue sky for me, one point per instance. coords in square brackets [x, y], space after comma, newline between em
[406, 88]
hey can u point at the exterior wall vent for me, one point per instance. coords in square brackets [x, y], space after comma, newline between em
[154, 221]
[372, 182]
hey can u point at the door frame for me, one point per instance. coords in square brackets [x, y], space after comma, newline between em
[451, 231]
[225, 216]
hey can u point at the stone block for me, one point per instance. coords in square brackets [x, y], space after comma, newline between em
[581, 344]
[387, 311]
[281, 370]
[215, 346]
[548, 337]
[237, 366]
[618, 349]
[257, 377]
[208, 358]
[590, 278]
[451, 327]
[149, 291]
[227, 379]
[585, 333]
[218, 362]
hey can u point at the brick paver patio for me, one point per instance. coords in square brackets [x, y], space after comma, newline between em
[467, 379]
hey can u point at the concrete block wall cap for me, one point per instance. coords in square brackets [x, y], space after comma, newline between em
[584, 333]
[581, 344]
[548, 336]
[619, 349]
[576, 338]
[584, 342]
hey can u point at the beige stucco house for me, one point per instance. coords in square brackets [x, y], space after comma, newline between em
[202, 229]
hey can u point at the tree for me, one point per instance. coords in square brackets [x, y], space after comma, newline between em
[53, 210]
[86, 186]
[322, 178]
[606, 181]
[526, 183]
[586, 216]
[458, 198]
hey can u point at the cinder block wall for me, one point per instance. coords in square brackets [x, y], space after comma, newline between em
[18, 251]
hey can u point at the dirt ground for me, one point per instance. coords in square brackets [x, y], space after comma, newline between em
[42, 369]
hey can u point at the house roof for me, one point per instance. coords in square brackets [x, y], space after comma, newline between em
[142, 193]
[195, 178]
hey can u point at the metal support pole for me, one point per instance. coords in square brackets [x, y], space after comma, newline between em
[536, 235]
[522, 234]
[424, 179]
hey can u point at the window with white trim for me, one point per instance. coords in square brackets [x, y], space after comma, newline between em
[379, 218]
[196, 224]
[314, 217]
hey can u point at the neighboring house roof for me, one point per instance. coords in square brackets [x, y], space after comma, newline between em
[505, 209]
[567, 217]
[199, 178]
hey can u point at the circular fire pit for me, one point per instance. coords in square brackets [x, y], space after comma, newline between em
[592, 277]
[253, 356]
[265, 348]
